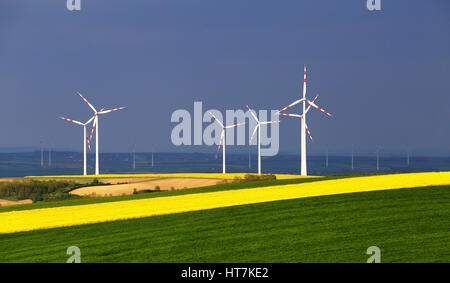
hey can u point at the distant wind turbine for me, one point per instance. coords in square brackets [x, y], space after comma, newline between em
[378, 157]
[95, 126]
[223, 139]
[42, 154]
[258, 128]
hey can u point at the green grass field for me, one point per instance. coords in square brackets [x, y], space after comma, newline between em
[409, 225]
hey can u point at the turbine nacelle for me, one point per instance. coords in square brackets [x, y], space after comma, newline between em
[224, 128]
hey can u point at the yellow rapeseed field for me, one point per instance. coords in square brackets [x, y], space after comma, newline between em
[170, 175]
[92, 213]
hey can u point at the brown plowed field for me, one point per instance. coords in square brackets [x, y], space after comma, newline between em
[127, 189]
[9, 179]
[4, 202]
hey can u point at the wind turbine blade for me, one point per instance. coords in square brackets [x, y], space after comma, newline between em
[270, 122]
[89, 143]
[292, 104]
[235, 125]
[254, 132]
[85, 100]
[317, 107]
[304, 82]
[221, 138]
[307, 129]
[292, 115]
[111, 110]
[218, 121]
[253, 114]
[73, 121]
[93, 128]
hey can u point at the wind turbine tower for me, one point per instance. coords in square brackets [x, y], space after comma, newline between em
[378, 158]
[42, 154]
[249, 160]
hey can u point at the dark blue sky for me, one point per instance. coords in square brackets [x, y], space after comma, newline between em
[385, 75]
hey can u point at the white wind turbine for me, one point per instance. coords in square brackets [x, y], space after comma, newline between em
[95, 126]
[258, 127]
[304, 126]
[222, 138]
[84, 138]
